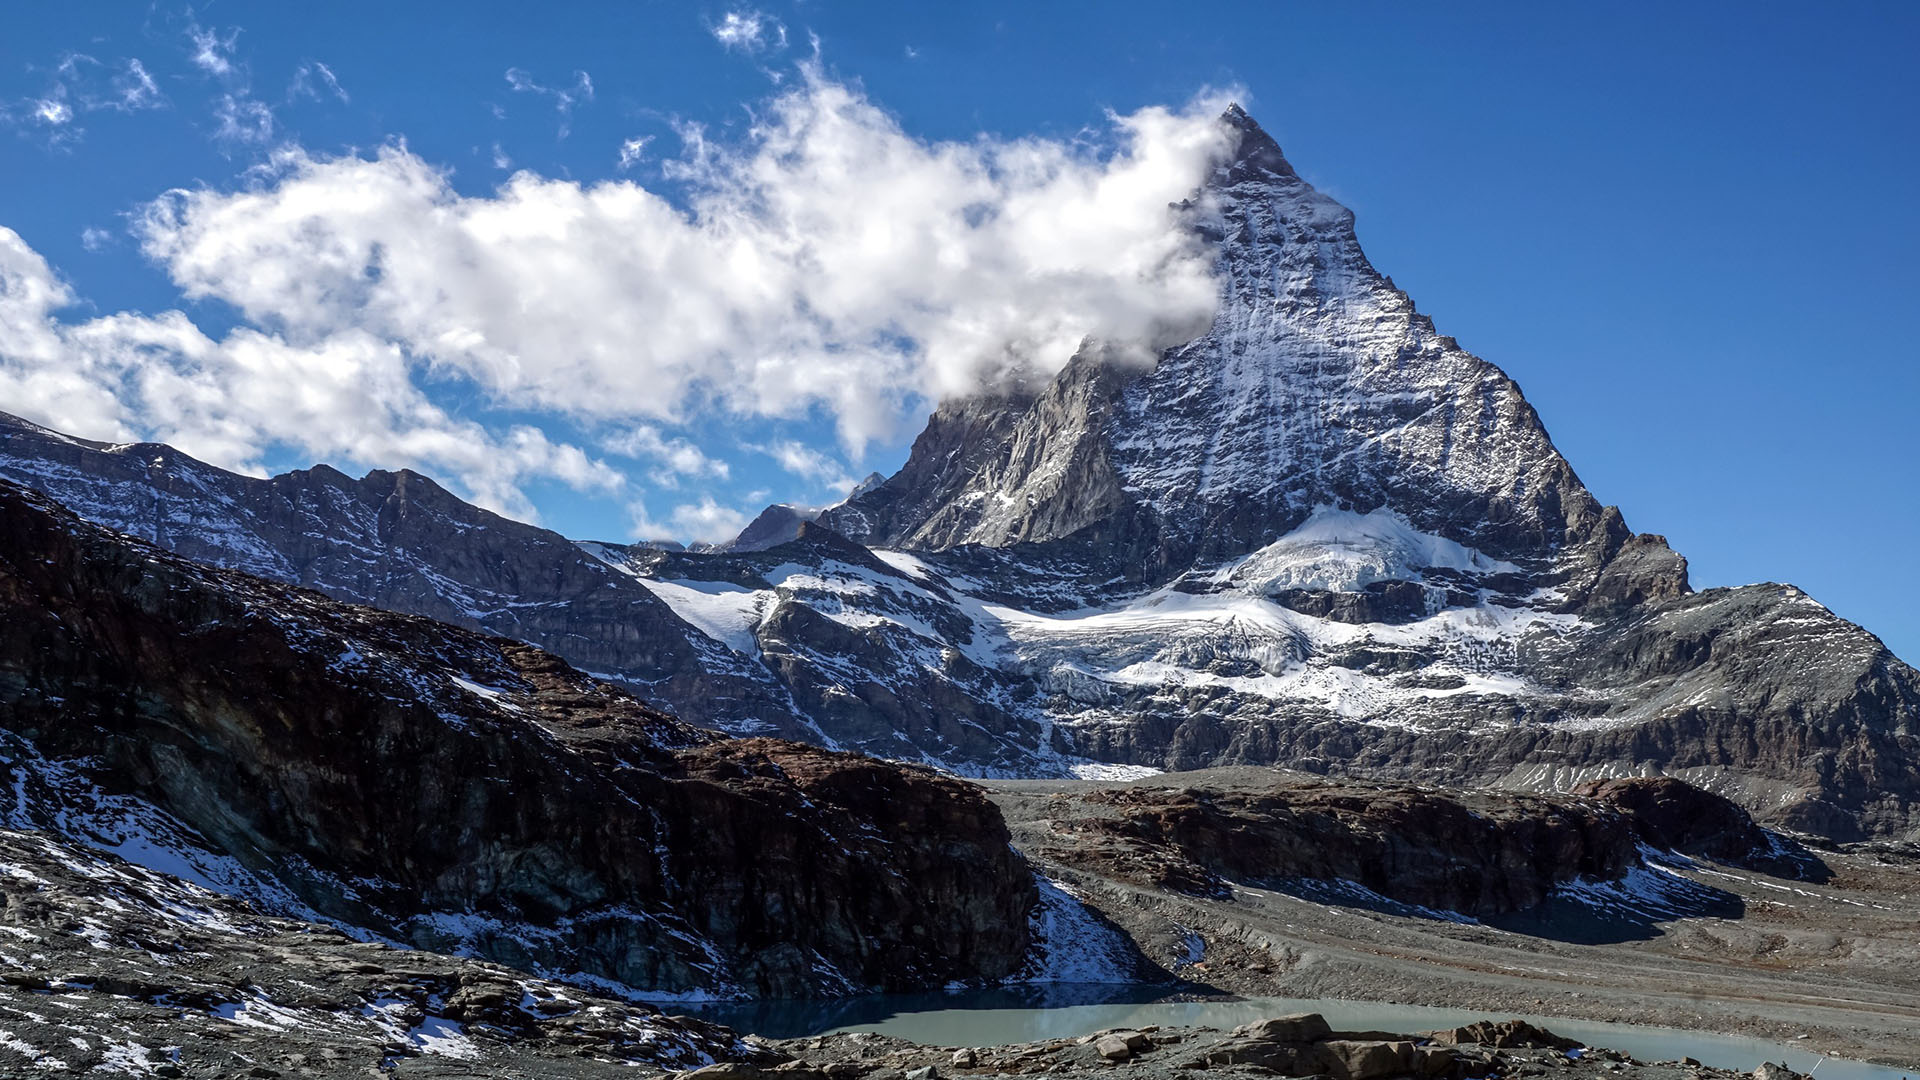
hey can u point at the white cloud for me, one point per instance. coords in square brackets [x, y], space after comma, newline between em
[705, 520]
[52, 111]
[821, 470]
[826, 260]
[315, 81]
[749, 31]
[631, 151]
[564, 99]
[233, 400]
[500, 159]
[676, 457]
[95, 239]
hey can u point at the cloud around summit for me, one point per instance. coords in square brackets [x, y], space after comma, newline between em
[826, 262]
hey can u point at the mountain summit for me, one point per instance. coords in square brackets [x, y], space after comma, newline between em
[1317, 384]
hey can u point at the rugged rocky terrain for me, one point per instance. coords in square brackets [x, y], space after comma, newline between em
[399, 541]
[1741, 937]
[1475, 853]
[430, 785]
[1290, 1045]
[110, 968]
[1320, 535]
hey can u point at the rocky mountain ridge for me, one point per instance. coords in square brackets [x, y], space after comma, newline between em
[417, 783]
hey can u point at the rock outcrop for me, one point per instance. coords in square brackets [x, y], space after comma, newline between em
[460, 791]
[1476, 853]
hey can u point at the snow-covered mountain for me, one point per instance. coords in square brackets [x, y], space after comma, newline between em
[1320, 534]
[1317, 384]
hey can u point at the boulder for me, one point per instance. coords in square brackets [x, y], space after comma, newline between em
[1502, 1034]
[1293, 1028]
[1355, 1060]
[1286, 1059]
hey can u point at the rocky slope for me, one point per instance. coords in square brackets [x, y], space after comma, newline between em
[446, 789]
[399, 541]
[110, 968]
[1320, 535]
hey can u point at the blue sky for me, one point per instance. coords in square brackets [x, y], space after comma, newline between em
[1687, 231]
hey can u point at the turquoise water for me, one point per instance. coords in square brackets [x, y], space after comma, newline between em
[993, 1018]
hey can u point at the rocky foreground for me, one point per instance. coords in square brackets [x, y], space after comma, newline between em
[1299, 1045]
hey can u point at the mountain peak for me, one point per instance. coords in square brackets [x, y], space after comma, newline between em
[1317, 383]
[1254, 152]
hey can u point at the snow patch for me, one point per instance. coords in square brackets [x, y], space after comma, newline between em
[723, 611]
[1341, 551]
[1099, 770]
[1071, 944]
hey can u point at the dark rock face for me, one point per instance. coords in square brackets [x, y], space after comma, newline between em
[777, 524]
[458, 790]
[399, 541]
[1673, 816]
[1478, 853]
[1473, 853]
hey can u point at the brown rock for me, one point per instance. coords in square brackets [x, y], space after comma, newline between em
[1354, 1060]
[1294, 1028]
[1502, 1034]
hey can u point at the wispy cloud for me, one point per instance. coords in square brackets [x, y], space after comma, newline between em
[749, 31]
[315, 81]
[242, 119]
[632, 150]
[81, 84]
[211, 52]
[95, 239]
[565, 99]
[239, 118]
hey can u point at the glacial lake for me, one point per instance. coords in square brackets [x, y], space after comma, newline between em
[994, 1018]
